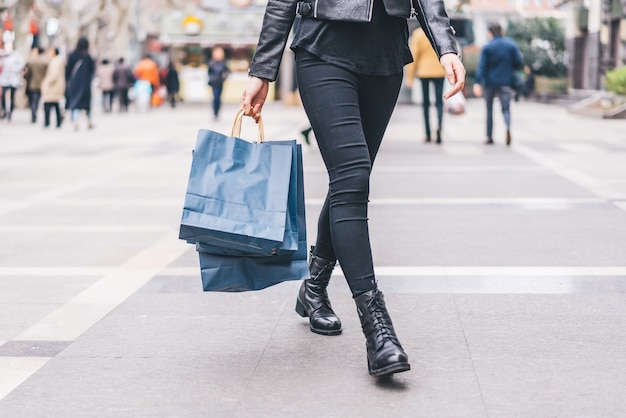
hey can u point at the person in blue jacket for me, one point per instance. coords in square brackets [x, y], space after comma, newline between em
[495, 76]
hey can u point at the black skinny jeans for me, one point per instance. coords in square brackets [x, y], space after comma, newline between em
[438, 82]
[349, 114]
[47, 108]
[3, 99]
[34, 99]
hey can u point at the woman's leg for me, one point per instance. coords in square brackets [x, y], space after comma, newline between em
[217, 100]
[89, 121]
[122, 95]
[426, 105]
[12, 96]
[349, 114]
[57, 109]
[439, 104]
[46, 114]
[3, 101]
[489, 93]
[111, 97]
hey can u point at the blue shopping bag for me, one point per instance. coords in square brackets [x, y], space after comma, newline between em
[237, 273]
[238, 196]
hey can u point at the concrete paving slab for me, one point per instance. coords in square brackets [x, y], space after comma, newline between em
[499, 237]
[101, 214]
[32, 348]
[113, 387]
[18, 317]
[104, 248]
[590, 387]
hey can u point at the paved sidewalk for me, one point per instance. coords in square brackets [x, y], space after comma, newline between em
[504, 269]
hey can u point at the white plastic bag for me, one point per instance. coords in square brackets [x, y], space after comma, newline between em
[455, 105]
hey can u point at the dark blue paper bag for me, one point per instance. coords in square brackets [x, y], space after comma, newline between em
[237, 197]
[236, 273]
[290, 241]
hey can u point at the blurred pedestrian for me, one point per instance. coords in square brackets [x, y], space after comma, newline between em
[79, 74]
[148, 70]
[428, 69]
[172, 83]
[33, 28]
[123, 78]
[495, 76]
[11, 76]
[104, 73]
[529, 82]
[35, 72]
[53, 88]
[218, 73]
[349, 77]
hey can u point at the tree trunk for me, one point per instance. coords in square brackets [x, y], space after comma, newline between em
[21, 26]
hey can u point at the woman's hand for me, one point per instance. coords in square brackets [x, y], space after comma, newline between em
[455, 73]
[254, 97]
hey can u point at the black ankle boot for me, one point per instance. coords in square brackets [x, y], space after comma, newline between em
[384, 352]
[313, 299]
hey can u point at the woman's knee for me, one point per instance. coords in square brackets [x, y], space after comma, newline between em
[351, 186]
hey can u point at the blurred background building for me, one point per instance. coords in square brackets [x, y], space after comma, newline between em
[596, 40]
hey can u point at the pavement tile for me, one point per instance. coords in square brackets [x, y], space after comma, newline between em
[194, 386]
[32, 348]
[555, 387]
[544, 326]
[494, 237]
[104, 248]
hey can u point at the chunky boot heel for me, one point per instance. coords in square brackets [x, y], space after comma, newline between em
[312, 301]
[384, 353]
[300, 309]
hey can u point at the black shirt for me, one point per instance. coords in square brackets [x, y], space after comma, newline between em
[379, 47]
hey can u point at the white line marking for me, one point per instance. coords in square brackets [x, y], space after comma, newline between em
[56, 271]
[83, 228]
[580, 179]
[87, 308]
[583, 149]
[15, 370]
[461, 271]
[116, 202]
[440, 169]
[526, 202]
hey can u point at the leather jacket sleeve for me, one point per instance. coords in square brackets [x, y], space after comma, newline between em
[279, 17]
[434, 19]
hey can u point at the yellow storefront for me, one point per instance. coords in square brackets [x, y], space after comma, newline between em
[190, 37]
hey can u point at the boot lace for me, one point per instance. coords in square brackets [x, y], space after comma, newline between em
[381, 321]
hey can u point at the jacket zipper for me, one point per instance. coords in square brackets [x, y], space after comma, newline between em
[413, 12]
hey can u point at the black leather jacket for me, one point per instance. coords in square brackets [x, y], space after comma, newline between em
[280, 14]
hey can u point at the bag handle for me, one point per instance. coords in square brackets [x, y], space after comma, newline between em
[236, 131]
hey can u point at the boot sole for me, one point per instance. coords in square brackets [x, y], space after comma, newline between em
[391, 369]
[303, 313]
